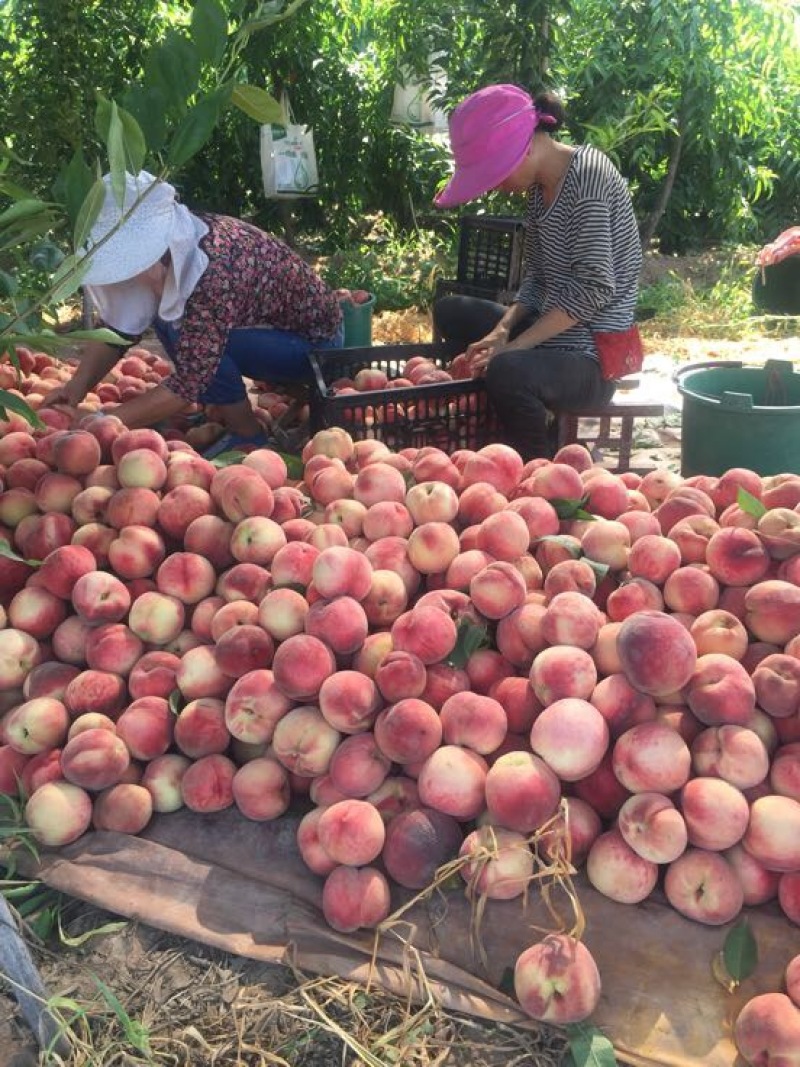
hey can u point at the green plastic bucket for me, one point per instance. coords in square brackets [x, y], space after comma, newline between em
[739, 416]
[357, 319]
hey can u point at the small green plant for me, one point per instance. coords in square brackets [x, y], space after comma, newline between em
[400, 268]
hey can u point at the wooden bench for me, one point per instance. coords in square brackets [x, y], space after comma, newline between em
[616, 421]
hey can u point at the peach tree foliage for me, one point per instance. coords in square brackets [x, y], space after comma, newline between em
[189, 82]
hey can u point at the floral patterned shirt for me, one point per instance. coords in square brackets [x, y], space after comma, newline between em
[252, 279]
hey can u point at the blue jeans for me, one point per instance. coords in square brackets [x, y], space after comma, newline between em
[258, 352]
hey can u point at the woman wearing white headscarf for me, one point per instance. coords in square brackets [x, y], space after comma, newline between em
[227, 300]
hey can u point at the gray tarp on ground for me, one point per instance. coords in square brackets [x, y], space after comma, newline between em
[242, 887]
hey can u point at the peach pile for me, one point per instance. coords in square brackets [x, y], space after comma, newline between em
[140, 369]
[214, 637]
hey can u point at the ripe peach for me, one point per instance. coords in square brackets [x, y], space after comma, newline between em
[473, 721]
[253, 707]
[651, 758]
[501, 863]
[147, 727]
[522, 792]
[207, 783]
[261, 789]
[452, 780]
[619, 872]
[304, 742]
[199, 675]
[426, 631]
[563, 671]
[349, 701]
[100, 597]
[301, 664]
[653, 827]
[58, 813]
[162, 778]
[719, 690]
[703, 886]
[758, 884]
[358, 766]
[767, 1030]
[409, 731]
[351, 831]
[95, 759]
[200, 728]
[735, 753]
[571, 736]
[777, 685]
[112, 646]
[557, 980]
[417, 843]
[125, 808]
[101, 691]
[720, 631]
[36, 725]
[153, 675]
[355, 899]
[716, 813]
[773, 833]
[657, 654]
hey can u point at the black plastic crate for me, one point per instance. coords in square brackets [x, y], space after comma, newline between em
[448, 415]
[490, 251]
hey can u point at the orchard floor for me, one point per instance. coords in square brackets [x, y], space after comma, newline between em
[194, 1006]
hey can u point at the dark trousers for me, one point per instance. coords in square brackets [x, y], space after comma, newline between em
[524, 385]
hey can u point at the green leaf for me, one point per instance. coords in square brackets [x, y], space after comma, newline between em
[506, 983]
[294, 464]
[564, 541]
[209, 28]
[136, 1034]
[81, 939]
[228, 459]
[568, 509]
[176, 701]
[22, 210]
[750, 504]
[257, 103]
[600, 569]
[7, 551]
[73, 185]
[148, 105]
[87, 215]
[67, 278]
[740, 951]
[8, 284]
[195, 129]
[174, 67]
[123, 137]
[10, 402]
[470, 636]
[588, 1047]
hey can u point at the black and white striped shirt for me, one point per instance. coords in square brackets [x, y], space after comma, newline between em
[582, 252]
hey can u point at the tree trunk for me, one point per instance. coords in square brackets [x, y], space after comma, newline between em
[649, 225]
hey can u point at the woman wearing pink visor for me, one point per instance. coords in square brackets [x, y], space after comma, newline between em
[583, 256]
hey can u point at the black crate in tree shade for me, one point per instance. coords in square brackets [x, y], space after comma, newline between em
[449, 415]
[490, 251]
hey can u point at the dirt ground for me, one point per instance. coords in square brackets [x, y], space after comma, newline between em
[180, 1003]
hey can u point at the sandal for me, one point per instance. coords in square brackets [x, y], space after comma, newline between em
[234, 442]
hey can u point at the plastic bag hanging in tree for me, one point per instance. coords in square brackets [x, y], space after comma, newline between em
[288, 158]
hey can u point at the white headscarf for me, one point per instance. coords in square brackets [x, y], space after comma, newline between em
[157, 224]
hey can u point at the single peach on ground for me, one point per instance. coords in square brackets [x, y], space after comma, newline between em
[557, 980]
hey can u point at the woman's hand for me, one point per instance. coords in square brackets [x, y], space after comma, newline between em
[480, 352]
[65, 397]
